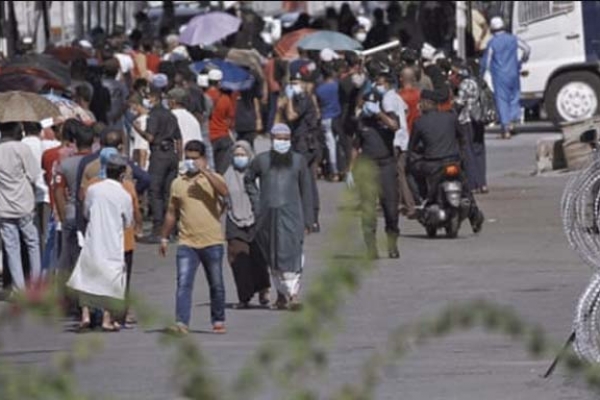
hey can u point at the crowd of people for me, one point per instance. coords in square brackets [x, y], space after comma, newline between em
[176, 148]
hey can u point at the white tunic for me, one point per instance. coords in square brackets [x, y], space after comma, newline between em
[100, 269]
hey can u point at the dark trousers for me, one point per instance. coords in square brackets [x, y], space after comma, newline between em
[313, 159]
[474, 151]
[386, 177]
[163, 170]
[249, 269]
[222, 153]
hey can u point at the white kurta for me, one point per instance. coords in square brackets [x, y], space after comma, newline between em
[100, 269]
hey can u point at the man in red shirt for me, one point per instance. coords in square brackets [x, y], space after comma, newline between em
[411, 95]
[221, 121]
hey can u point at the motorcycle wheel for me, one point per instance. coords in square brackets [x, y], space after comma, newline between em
[431, 231]
[453, 226]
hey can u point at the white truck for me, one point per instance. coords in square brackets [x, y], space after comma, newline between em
[563, 71]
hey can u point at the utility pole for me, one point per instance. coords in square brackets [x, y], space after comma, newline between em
[461, 25]
[78, 13]
[12, 33]
[107, 7]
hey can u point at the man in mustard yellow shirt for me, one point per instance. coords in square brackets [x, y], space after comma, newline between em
[196, 202]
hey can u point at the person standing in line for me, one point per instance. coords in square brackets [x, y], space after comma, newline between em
[328, 94]
[188, 124]
[18, 173]
[248, 116]
[221, 121]
[249, 269]
[99, 276]
[197, 203]
[203, 84]
[283, 209]
[501, 58]
[66, 197]
[141, 147]
[164, 137]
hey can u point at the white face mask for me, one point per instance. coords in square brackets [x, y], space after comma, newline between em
[147, 104]
[358, 80]
[165, 104]
[282, 146]
[297, 89]
[361, 36]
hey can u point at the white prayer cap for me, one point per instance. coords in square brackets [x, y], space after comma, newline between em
[427, 52]
[160, 81]
[328, 55]
[202, 81]
[215, 75]
[496, 24]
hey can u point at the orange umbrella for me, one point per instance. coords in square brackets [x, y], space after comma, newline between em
[287, 47]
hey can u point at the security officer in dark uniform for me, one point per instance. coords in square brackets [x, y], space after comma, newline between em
[435, 141]
[163, 135]
[302, 116]
[374, 164]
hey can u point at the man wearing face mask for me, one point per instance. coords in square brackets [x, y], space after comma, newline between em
[197, 203]
[302, 117]
[382, 134]
[283, 209]
[164, 136]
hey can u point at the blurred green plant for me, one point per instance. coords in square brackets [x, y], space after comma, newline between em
[296, 351]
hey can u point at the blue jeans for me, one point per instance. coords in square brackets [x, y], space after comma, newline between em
[12, 229]
[188, 260]
[52, 248]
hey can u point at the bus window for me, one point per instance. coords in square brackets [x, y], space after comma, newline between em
[532, 11]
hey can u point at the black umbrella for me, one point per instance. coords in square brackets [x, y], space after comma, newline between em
[41, 62]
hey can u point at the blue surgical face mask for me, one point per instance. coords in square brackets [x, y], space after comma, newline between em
[282, 146]
[190, 167]
[165, 104]
[241, 162]
[380, 89]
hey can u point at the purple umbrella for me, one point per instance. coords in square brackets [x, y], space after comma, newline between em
[209, 28]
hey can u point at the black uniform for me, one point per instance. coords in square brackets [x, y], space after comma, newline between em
[376, 144]
[164, 163]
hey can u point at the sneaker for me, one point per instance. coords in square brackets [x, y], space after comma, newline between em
[179, 329]
[219, 328]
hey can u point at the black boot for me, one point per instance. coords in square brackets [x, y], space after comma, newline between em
[477, 221]
[393, 251]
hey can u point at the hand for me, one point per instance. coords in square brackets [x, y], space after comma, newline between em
[259, 125]
[162, 250]
[202, 164]
[137, 125]
[350, 180]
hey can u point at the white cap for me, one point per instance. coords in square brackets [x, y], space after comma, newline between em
[496, 24]
[202, 81]
[27, 40]
[160, 81]
[47, 123]
[427, 52]
[215, 75]
[86, 44]
[328, 55]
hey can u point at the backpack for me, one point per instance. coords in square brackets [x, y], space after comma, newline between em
[486, 103]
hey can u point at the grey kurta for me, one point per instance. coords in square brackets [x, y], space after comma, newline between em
[283, 207]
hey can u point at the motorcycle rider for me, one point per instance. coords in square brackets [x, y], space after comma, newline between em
[435, 142]
[382, 120]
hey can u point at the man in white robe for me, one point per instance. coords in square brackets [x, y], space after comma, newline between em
[99, 276]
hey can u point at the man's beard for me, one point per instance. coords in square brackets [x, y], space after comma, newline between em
[279, 160]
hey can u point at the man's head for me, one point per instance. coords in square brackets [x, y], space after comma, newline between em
[429, 101]
[112, 139]
[84, 137]
[116, 167]
[11, 131]
[408, 77]
[383, 83]
[105, 155]
[195, 157]
[177, 98]
[155, 96]
[111, 68]
[32, 128]
[83, 95]
[281, 137]
[215, 76]
[136, 104]
[496, 24]
[70, 129]
[172, 42]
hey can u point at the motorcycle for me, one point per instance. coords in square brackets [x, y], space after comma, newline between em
[448, 209]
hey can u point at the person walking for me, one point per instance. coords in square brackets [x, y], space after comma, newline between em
[283, 208]
[473, 129]
[197, 202]
[501, 59]
[221, 121]
[188, 124]
[249, 268]
[99, 276]
[328, 94]
[163, 134]
[19, 171]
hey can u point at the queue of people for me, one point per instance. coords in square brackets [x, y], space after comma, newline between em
[177, 149]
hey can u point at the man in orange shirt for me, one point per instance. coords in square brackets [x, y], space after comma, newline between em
[129, 234]
[221, 121]
[411, 95]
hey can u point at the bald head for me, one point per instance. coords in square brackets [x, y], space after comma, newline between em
[408, 76]
[112, 139]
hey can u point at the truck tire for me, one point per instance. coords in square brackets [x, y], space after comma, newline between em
[573, 96]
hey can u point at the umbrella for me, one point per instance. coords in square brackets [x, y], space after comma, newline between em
[41, 62]
[329, 40]
[27, 82]
[69, 109]
[66, 54]
[234, 78]
[20, 106]
[287, 46]
[209, 28]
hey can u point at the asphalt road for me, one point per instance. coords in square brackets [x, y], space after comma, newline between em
[521, 259]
